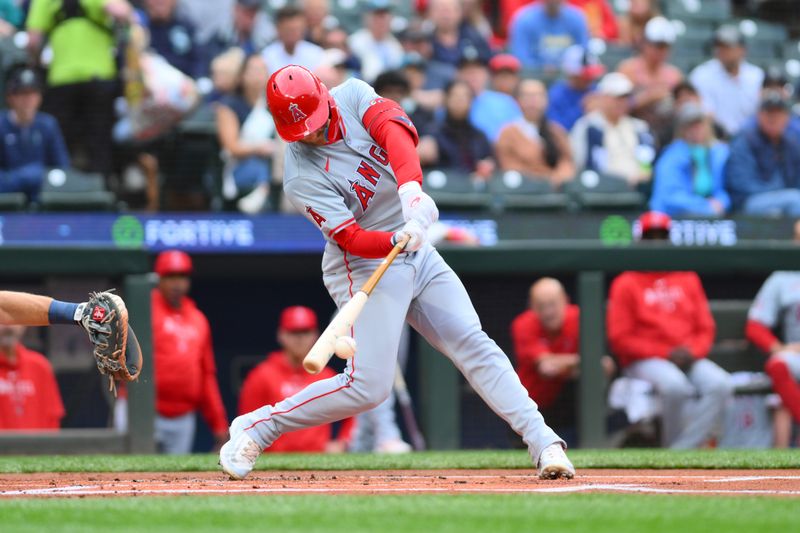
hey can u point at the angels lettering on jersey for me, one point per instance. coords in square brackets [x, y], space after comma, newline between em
[366, 178]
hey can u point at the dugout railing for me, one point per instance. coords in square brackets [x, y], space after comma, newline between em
[127, 269]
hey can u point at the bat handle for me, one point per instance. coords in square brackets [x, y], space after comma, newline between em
[376, 276]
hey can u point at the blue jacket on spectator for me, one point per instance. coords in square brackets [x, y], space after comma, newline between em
[175, 41]
[674, 191]
[491, 111]
[565, 105]
[468, 37]
[26, 153]
[756, 165]
[539, 41]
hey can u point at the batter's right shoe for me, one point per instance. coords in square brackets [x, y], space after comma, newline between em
[554, 463]
[238, 456]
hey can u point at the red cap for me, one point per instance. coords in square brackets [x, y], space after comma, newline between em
[298, 318]
[173, 262]
[504, 62]
[653, 220]
[299, 102]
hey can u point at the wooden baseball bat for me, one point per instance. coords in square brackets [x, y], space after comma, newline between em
[342, 323]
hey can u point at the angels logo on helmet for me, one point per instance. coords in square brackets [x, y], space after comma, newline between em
[297, 114]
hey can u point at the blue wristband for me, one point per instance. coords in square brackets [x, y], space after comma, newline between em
[62, 312]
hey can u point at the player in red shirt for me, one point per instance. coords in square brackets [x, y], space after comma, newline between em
[183, 360]
[282, 375]
[546, 349]
[29, 397]
[661, 330]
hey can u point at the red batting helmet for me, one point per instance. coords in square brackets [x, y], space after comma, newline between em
[654, 221]
[298, 318]
[171, 262]
[299, 102]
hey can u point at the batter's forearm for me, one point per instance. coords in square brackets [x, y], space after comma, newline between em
[363, 243]
[24, 309]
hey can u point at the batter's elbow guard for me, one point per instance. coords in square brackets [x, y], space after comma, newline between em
[382, 110]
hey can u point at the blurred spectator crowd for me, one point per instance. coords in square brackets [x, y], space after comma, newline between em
[685, 106]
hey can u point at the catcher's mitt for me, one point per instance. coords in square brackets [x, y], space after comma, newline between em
[105, 319]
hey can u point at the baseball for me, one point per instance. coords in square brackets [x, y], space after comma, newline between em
[345, 347]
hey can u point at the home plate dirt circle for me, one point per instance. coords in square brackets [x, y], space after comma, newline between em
[784, 483]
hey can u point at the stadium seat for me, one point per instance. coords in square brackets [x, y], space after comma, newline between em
[697, 30]
[514, 192]
[760, 30]
[791, 50]
[707, 10]
[593, 191]
[456, 190]
[13, 201]
[763, 52]
[75, 191]
[614, 55]
[190, 163]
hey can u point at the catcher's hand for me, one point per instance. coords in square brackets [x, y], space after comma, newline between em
[105, 319]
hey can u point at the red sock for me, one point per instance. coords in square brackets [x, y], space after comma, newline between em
[785, 385]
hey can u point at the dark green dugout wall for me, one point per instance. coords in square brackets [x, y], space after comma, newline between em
[276, 281]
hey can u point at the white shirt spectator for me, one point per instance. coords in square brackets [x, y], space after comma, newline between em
[376, 56]
[306, 54]
[731, 99]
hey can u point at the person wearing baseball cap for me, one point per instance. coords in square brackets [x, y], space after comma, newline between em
[653, 78]
[183, 360]
[573, 94]
[30, 141]
[763, 172]
[491, 109]
[611, 142]
[374, 44]
[688, 179]
[282, 374]
[661, 330]
[729, 85]
[504, 69]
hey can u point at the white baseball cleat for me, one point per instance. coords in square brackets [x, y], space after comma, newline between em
[238, 456]
[393, 446]
[554, 463]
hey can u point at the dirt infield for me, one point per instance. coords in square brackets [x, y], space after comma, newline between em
[708, 482]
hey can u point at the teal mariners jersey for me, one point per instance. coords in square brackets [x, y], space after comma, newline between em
[345, 182]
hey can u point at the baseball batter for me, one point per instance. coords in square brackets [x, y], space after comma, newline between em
[351, 167]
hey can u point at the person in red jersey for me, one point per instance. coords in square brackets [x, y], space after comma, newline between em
[546, 348]
[29, 396]
[282, 375]
[183, 359]
[661, 330]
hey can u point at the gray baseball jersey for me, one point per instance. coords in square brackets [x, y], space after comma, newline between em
[350, 181]
[777, 304]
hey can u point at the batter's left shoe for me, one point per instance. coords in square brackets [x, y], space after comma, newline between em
[554, 463]
[238, 456]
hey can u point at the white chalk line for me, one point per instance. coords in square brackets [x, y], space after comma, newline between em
[92, 490]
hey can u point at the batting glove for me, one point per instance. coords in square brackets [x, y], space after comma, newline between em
[418, 234]
[417, 205]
